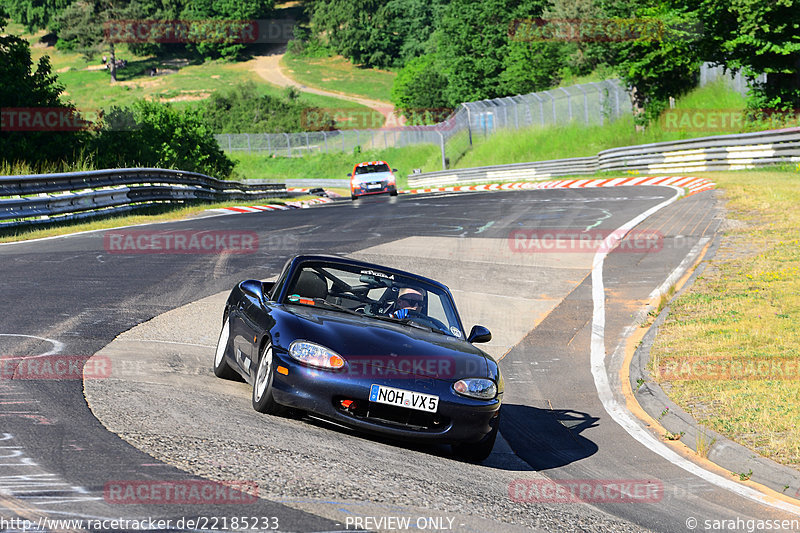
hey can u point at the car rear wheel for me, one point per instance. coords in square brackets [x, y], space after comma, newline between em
[221, 367]
[263, 402]
[393, 193]
[353, 197]
[476, 452]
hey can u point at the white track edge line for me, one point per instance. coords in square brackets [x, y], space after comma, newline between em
[617, 412]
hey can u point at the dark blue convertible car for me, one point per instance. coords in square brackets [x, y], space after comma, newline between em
[367, 346]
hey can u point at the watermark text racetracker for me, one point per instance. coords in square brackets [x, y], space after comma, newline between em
[601, 30]
[180, 242]
[586, 490]
[47, 119]
[554, 240]
[181, 492]
[319, 119]
[409, 367]
[729, 368]
[55, 367]
[278, 31]
[725, 120]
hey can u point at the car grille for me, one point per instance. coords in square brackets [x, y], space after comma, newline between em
[394, 416]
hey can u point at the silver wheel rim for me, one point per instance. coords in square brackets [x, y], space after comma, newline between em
[222, 343]
[264, 367]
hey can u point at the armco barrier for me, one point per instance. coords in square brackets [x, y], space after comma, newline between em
[48, 197]
[723, 152]
[539, 170]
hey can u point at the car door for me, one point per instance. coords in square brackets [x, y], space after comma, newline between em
[241, 332]
[250, 331]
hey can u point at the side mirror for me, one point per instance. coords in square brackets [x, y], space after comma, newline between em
[394, 170]
[253, 288]
[479, 334]
[349, 175]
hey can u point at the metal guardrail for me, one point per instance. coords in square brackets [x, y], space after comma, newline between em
[723, 152]
[48, 197]
[539, 170]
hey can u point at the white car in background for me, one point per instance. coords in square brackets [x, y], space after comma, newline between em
[372, 177]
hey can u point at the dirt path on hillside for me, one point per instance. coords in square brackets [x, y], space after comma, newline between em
[268, 66]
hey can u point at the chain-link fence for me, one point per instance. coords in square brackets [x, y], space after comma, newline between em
[299, 144]
[589, 103]
[592, 103]
[735, 80]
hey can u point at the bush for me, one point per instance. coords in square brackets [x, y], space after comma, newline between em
[243, 110]
[418, 91]
[306, 44]
[153, 134]
[32, 87]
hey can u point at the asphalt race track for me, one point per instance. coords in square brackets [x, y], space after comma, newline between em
[71, 296]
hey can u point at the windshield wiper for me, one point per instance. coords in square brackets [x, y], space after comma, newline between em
[338, 307]
[408, 322]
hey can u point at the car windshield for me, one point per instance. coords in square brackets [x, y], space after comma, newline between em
[369, 169]
[374, 293]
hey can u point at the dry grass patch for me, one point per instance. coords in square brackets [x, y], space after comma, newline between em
[745, 308]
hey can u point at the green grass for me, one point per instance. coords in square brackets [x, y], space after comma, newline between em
[507, 146]
[25, 168]
[336, 165]
[577, 140]
[597, 75]
[745, 307]
[337, 74]
[186, 80]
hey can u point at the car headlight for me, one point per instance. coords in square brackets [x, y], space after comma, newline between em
[316, 355]
[483, 389]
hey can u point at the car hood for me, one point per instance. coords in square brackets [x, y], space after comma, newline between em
[367, 343]
[372, 176]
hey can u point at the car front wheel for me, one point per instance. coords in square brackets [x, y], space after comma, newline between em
[263, 402]
[221, 367]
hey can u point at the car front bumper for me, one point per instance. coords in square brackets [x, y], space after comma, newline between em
[373, 187]
[320, 392]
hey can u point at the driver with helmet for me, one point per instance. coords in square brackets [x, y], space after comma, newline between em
[408, 300]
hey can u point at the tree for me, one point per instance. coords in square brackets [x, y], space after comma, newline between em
[582, 55]
[34, 90]
[414, 22]
[419, 91]
[657, 52]
[35, 14]
[358, 29]
[755, 37]
[472, 41]
[210, 40]
[85, 26]
[375, 33]
[156, 134]
[243, 110]
[532, 66]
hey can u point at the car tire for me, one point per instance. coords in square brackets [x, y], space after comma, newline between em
[353, 197]
[475, 452]
[263, 402]
[221, 367]
[393, 193]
